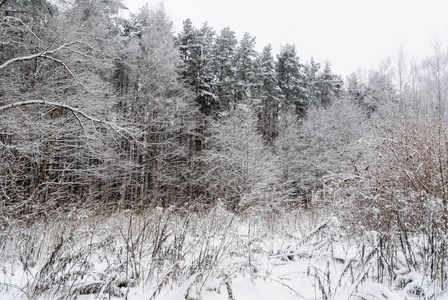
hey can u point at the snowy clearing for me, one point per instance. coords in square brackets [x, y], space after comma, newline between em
[215, 255]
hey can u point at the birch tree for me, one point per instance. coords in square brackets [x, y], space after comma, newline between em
[320, 150]
[240, 170]
[154, 100]
[57, 95]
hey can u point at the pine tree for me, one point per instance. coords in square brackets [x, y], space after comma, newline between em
[330, 86]
[224, 57]
[291, 78]
[268, 93]
[196, 51]
[312, 90]
[245, 68]
[205, 90]
[186, 43]
[372, 92]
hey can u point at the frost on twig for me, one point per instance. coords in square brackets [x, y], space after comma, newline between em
[32, 56]
[120, 130]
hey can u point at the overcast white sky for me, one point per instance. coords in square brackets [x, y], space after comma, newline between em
[351, 34]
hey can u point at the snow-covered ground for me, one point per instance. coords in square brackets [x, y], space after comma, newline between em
[214, 255]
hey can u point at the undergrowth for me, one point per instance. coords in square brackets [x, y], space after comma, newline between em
[130, 254]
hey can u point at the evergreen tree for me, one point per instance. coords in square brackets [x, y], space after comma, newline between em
[355, 88]
[291, 78]
[196, 51]
[372, 92]
[186, 43]
[205, 90]
[268, 93]
[224, 57]
[330, 86]
[245, 68]
[312, 90]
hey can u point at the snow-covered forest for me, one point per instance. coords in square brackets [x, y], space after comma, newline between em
[141, 163]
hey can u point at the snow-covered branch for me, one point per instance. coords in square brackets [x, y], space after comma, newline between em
[2, 2]
[21, 22]
[64, 65]
[44, 54]
[74, 110]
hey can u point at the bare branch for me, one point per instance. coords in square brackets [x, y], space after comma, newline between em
[80, 53]
[65, 66]
[6, 195]
[32, 56]
[79, 122]
[20, 21]
[114, 127]
[2, 2]
[6, 146]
